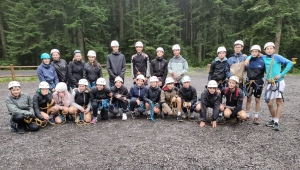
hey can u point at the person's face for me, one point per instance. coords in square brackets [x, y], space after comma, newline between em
[55, 56]
[159, 53]
[139, 49]
[44, 91]
[16, 91]
[186, 84]
[140, 82]
[100, 87]
[222, 55]
[91, 59]
[115, 49]
[46, 60]
[212, 90]
[238, 48]
[78, 56]
[170, 86]
[176, 52]
[118, 84]
[255, 53]
[232, 84]
[153, 84]
[270, 50]
[81, 87]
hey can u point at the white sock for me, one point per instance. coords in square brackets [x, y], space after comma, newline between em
[148, 112]
[276, 120]
[248, 113]
[179, 113]
[256, 114]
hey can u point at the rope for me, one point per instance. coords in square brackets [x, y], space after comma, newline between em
[104, 104]
[151, 111]
[173, 107]
[188, 108]
[269, 73]
[80, 121]
[37, 121]
[247, 89]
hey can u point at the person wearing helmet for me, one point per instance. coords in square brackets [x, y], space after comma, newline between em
[234, 100]
[60, 66]
[100, 96]
[275, 81]
[92, 69]
[75, 69]
[137, 96]
[140, 63]
[169, 97]
[159, 67]
[62, 99]
[254, 81]
[19, 106]
[188, 96]
[115, 63]
[43, 103]
[235, 64]
[218, 67]
[152, 97]
[80, 102]
[46, 72]
[210, 98]
[177, 66]
[120, 96]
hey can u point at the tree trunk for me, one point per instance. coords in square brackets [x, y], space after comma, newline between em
[2, 35]
[121, 11]
[278, 34]
[191, 22]
[200, 47]
[80, 39]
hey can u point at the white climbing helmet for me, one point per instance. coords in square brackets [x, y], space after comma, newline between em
[139, 44]
[119, 79]
[44, 85]
[255, 47]
[91, 53]
[101, 81]
[153, 79]
[140, 77]
[176, 47]
[54, 51]
[83, 82]
[61, 87]
[239, 42]
[186, 79]
[13, 84]
[235, 78]
[114, 43]
[221, 49]
[160, 49]
[269, 44]
[212, 83]
[169, 80]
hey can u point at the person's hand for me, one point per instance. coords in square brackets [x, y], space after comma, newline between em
[65, 110]
[246, 62]
[124, 99]
[202, 124]
[110, 94]
[134, 80]
[146, 79]
[214, 124]
[218, 91]
[244, 55]
[180, 74]
[277, 77]
[118, 96]
[61, 95]
[82, 110]
[138, 102]
[53, 90]
[260, 55]
[159, 83]
[172, 74]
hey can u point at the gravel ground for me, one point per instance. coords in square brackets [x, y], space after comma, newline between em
[164, 144]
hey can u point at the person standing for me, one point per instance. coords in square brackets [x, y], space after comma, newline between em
[140, 63]
[60, 66]
[159, 67]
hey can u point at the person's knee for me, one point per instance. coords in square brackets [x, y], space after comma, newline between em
[242, 114]
[198, 108]
[279, 102]
[94, 104]
[18, 118]
[104, 115]
[257, 100]
[87, 117]
[58, 120]
[156, 110]
[221, 107]
[270, 103]
[227, 113]
[178, 100]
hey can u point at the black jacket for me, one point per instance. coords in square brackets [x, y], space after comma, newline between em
[140, 63]
[217, 70]
[92, 73]
[188, 95]
[153, 94]
[116, 65]
[122, 91]
[40, 101]
[75, 71]
[210, 100]
[234, 99]
[159, 68]
[81, 99]
[97, 96]
[61, 68]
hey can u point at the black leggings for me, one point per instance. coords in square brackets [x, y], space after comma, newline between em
[104, 112]
[19, 119]
[123, 105]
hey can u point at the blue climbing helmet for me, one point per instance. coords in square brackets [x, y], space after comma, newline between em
[76, 51]
[45, 55]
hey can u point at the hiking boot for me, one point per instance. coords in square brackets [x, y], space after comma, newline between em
[276, 126]
[77, 119]
[20, 130]
[270, 123]
[148, 117]
[94, 121]
[179, 118]
[124, 116]
[52, 121]
[133, 115]
[255, 121]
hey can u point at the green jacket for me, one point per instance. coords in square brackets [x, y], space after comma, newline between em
[21, 105]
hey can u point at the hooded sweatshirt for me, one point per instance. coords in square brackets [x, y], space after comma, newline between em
[122, 91]
[153, 94]
[61, 69]
[210, 100]
[167, 94]
[178, 65]
[19, 105]
[217, 70]
[116, 65]
[92, 73]
[138, 92]
[159, 68]
[61, 102]
[188, 95]
[75, 71]
[46, 72]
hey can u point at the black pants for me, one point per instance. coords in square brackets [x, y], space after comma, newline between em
[104, 111]
[123, 105]
[19, 119]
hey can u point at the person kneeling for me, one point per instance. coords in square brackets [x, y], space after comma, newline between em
[62, 99]
[152, 98]
[137, 93]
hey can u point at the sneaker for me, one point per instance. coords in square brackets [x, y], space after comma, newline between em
[276, 126]
[20, 130]
[51, 121]
[192, 116]
[255, 121]
[94, 121]
[183, 115]
[179, 118]
[124, 116]
[270, 123]
[133, 115]
[247, 119]
[148, 117]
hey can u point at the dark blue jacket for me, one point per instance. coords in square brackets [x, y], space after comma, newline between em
[235, 58]
[138, 92]
[47, 73]
[256, 68]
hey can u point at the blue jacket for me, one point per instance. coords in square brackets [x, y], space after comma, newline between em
[256, 68]
[138, 92]
[47, 73]
[235, 58]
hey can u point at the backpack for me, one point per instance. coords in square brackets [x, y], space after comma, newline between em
[236, 91]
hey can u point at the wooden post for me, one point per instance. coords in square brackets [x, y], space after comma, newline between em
[12, 72]
[208, 67]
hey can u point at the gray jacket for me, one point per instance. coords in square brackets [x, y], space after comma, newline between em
[116, 65]
[178, 65]
[21, 105]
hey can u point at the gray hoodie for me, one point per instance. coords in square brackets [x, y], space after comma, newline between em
[178, 65]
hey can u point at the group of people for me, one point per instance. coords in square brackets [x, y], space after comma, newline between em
[78, 90]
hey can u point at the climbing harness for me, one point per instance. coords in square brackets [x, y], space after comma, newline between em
[151, 111]
[103, 104]
[188, 108]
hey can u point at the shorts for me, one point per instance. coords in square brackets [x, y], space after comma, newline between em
[166, 108]
[275, 92]
[254, 88]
